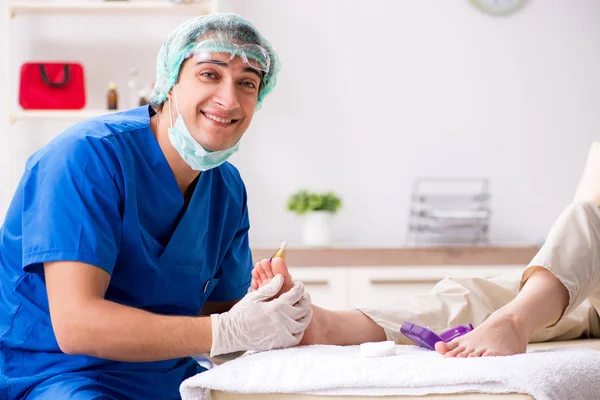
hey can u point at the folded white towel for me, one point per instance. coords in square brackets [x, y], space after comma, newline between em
[566, 373]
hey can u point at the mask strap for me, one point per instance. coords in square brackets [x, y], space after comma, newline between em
[170, 115]
[175, 97]
[176, 107]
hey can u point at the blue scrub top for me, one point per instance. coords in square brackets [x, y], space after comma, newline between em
[103, 193]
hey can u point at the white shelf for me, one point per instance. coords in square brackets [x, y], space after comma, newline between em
[95, 7]
[92, 8]
[73, 115]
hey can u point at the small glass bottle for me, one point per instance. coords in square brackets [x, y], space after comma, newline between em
[112, 97]
[144, 95]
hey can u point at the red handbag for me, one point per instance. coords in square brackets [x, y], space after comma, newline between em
[52, 86]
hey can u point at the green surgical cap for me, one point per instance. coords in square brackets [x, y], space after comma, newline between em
[226, 28]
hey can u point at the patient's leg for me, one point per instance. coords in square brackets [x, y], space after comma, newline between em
[561, 276]
[341, 328]
[569, 249]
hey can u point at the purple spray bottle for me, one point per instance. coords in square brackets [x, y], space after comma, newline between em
[425, 337]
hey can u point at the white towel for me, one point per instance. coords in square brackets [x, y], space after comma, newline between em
[566, 373]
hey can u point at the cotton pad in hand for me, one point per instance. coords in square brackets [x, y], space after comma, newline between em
[378, 349]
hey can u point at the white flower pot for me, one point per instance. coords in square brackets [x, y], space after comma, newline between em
[316, 231]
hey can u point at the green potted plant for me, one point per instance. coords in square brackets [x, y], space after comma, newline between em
[317, 209]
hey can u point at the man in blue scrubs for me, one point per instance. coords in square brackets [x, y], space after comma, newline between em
[125, 249]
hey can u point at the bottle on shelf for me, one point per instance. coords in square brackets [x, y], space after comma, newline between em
[144, 95]
[112, 97]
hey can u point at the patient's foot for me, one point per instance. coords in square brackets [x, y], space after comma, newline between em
[262, 274]
[264, 271]
[502, 334]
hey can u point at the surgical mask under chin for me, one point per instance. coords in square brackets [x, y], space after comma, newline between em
[196, 156]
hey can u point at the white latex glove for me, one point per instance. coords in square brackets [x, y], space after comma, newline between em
[257, 324]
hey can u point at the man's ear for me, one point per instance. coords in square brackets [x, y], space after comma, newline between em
[170, 92]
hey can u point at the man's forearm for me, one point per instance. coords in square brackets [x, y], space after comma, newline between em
[117, 332]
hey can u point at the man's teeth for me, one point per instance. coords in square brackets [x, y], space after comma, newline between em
[223, 121]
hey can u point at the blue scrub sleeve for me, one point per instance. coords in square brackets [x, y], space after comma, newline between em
[71, 206]
[236, 267]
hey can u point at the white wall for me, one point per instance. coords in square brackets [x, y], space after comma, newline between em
[372, 96]
[4, 95]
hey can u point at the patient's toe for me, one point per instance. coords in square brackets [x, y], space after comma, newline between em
[464, 353]
[476, 353]
[256, 281]
[455, 352]
[260, 269]
[278, 266]
[268, 268]
[458, 348]
[442, 347]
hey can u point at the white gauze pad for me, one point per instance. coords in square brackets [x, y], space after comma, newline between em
[378, 349]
